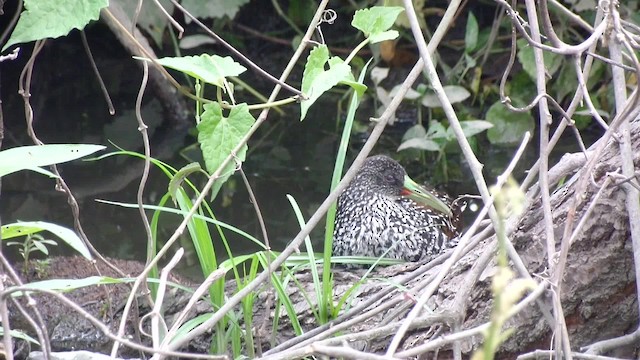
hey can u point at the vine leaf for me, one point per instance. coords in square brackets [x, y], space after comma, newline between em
[376, 21]
[219, 135]
[210, 69]
[43, 19]
[316, 80]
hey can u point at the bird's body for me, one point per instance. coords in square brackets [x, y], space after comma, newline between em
[375, 217]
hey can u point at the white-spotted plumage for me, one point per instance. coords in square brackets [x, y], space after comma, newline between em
[374, 218]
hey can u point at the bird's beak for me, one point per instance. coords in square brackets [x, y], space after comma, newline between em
[422, 196]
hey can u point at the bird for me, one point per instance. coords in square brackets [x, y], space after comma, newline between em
[383, 212]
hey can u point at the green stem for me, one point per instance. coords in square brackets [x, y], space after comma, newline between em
[353, 54]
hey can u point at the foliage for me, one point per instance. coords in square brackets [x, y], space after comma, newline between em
[33, 157]
[32, 243]
[51, 19]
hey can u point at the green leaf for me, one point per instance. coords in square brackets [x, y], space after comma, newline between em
[19, 335]
[210, 69]
[32, 227]
[474, 127]
[416, 138]
[213, 9]
[436, 130]
[178, 178]
[316, 80]
[219, 135]
[415, 131]
[32, 157]
[51, 19]
[375, 21]
[383, 36]
[508, 127]
[552, 61]
[190, 325]
[455, 94]
[471, 34]
[419, 143]
[41, 247]
[66, 285]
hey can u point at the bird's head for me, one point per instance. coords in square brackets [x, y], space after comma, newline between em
[383, 175]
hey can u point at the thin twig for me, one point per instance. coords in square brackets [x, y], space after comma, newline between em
[94, 67]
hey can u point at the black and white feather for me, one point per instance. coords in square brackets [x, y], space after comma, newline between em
[374, 218]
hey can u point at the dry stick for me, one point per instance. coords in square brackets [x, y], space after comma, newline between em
[100, 325]
[61, 185]
[10, 26]
[264, 276]
[156, 313]
[609, 344]
[561, 338]
[256, 208]
[114, 22]
[169, 18]
[582, 84]
[438, 343]
[609, 61]
[94, 67]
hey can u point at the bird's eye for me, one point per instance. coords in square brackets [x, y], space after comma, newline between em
[389, 178]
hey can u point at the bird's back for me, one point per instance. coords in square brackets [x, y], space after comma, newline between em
[396, 228]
